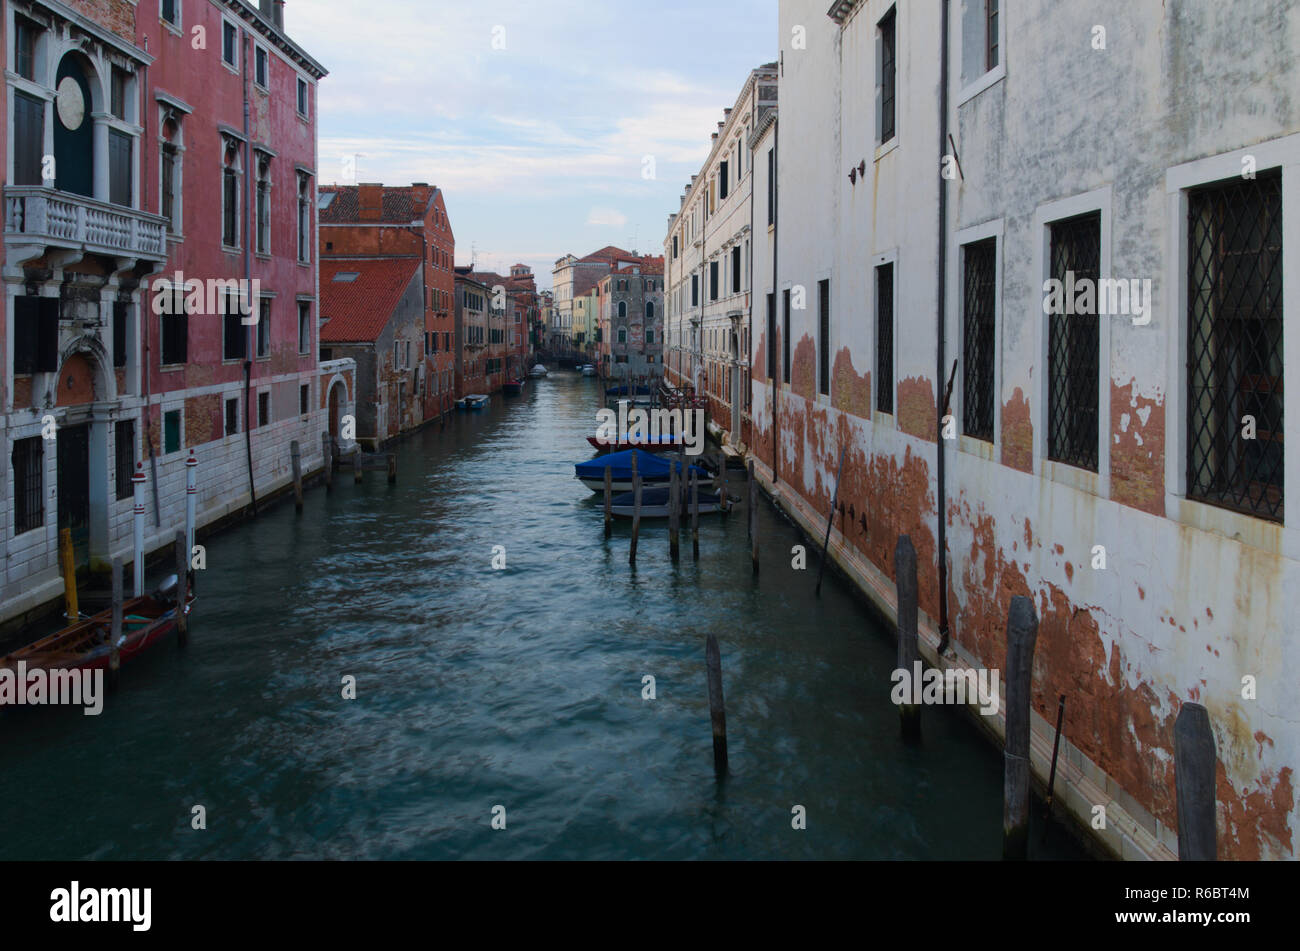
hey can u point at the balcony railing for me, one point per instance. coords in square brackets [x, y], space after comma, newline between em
[35, 214]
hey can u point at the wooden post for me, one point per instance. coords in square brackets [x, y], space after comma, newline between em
[68, 560]
[392, 468]
[115, 626]
[717, 706]
[609, 501]
[909, 651]
[1051, 775]
[182, 590]
[1022, 631]
[830, 520]
[695, 516]
[295, 460]
[1195, 761]
[724, 484]
[356, 465]
[753, 517]
[327, 448]
[636, 510]
[674, 508]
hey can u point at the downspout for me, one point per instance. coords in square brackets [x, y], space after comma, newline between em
[941, 327]
[776, 301]
[248, 275]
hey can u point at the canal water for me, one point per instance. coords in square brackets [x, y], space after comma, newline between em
[520, 688]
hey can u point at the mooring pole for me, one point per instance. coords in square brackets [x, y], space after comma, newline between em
[191, 505]
[1022, 631]
[609, 501]
[1051, 775]
[182, 590]
[327, 450]
[295, 462]
[636, 511]
[830, 518]
[115, 625]
[753, 517]
[909, 650]
[674, 508]
[137, 568]
[1195, 762]
[695, 516]
[717, 706]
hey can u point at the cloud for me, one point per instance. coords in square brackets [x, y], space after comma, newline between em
[606, 217]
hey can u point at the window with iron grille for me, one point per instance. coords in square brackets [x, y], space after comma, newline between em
[785, 337]
[1074, 346]
[1234, 337]
[885, 338]
[887, 68]
[991, 34]
[124, 450]
[824, 337]
[29, 494]
[979, 296]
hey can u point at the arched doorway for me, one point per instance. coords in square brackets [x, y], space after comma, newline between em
[336, 410]
[74, 137]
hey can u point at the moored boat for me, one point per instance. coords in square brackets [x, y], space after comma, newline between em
[661, 443]
[514, 387]
[537, 370]
[473, 401]
[654, 503]
[86, 644]
[653, 470]
[588, 369]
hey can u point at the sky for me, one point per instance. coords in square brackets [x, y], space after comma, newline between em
[552, 126]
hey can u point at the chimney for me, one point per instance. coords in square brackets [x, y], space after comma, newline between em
[420, 193]
[370, 201]
[273, 12]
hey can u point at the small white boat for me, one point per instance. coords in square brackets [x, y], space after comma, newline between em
[654, 503]
[538, 370]
[474, 401]
[588, 370]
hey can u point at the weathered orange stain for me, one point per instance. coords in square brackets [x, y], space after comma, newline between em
[1017, 433]
[1137, 453]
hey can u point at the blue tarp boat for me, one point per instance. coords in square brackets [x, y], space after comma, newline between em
[654, 470]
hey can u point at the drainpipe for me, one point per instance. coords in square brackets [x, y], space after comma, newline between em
[248, 275]
[941, 327]
[776, 301]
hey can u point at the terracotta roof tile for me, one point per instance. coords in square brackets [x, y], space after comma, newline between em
[358, 308]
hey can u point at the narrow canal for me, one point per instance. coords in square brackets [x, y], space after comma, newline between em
[520, 688]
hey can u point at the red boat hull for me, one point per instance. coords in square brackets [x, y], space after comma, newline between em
[633, 444]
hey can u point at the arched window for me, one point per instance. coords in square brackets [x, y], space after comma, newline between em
[649, 310]
[622, 308]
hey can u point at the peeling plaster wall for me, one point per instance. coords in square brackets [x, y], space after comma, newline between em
[1188, 602]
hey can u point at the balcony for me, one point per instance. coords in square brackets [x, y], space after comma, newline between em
[42, 217]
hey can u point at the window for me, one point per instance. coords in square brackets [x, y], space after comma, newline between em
[119, 167]
[713, 280]
[824, 337]
[649, 336]
[785, 337]
[29, 494]
[171, 169]
[36, 334]
[174, 328]
[674, 247]
[264, 408]
[886, 76]
[304, 326]
[171, 431]
[724, 180]
[304, 399]
[1234, 339]
[622, 308]
[264, 327]
[1073, 349]
[622, 335]
[229, 51]
[117, 92]
[121, 330]
[235, 340]
[29, 139]
[978, 318]
[263, 204]
[304, 217]
[735, 270]
[124, 451]
[260, 67]
[991, 34]
[649, 310]
[230, 196]
[885, 338]
[170, 11]
[25, 33]
[695, 290]
[770, 342]
[302, 98]
[771, 186]
[232, 416]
